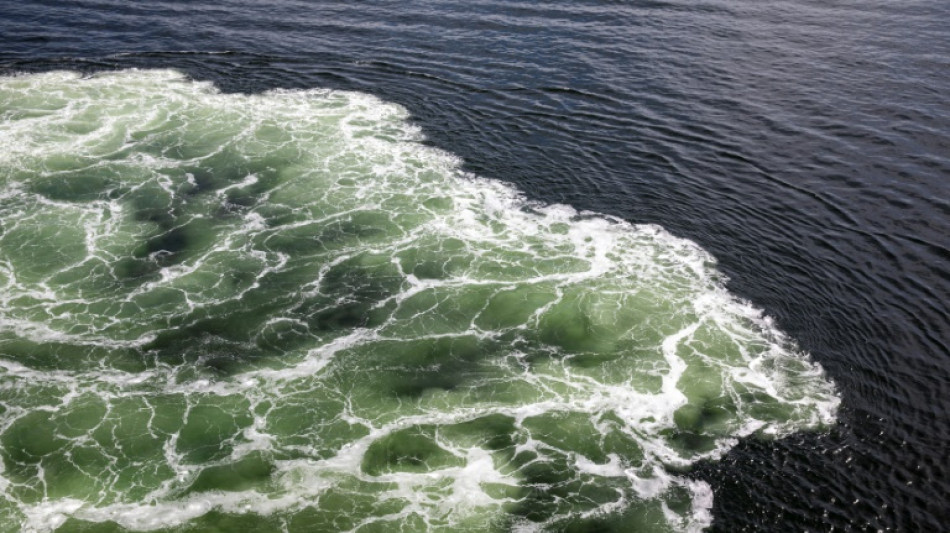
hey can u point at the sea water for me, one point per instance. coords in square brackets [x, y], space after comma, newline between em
[283, 311]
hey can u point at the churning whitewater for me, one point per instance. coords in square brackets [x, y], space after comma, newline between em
[282, 311]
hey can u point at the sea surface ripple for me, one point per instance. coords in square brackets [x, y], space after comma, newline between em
[804, 144]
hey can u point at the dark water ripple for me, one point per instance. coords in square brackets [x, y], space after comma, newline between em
[805, 143]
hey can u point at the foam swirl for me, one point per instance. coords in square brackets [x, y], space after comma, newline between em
[284, 306]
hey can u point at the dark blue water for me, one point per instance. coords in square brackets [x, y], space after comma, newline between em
[805, 144]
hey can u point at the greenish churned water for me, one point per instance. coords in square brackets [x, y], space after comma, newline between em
[282, 312]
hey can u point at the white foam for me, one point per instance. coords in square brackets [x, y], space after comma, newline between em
[359, 137]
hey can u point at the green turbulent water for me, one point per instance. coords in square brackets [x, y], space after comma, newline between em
[283, 312]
